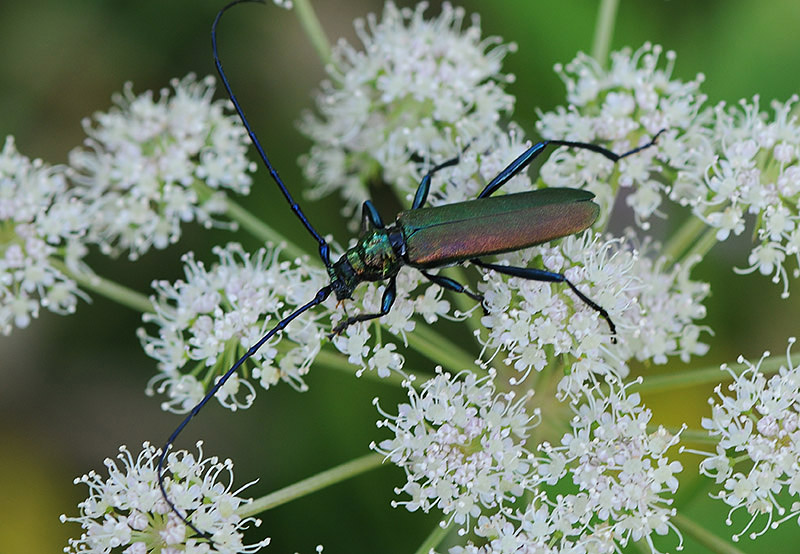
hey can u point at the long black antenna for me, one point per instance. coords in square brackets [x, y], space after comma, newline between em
[324, 249]
[320, 297]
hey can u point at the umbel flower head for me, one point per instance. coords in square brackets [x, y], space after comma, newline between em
[41, 225]
[419, 89]
[462, 446]
[724, 162]
[634, 98]
[207, 321]
[126, 513]
[532, 323]
[757, 460]
[150, 165]
[758, 173]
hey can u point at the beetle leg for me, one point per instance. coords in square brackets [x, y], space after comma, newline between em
[451, 284]
[386, 304]
[425, 184]
[533, 274]
[522, 161]
[370, 218]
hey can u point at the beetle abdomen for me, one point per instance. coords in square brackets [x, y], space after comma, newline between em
[456, 232]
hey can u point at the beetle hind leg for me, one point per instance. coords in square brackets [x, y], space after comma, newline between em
[533, 274]
[455, 286]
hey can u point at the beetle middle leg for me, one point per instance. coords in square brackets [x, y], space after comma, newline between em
[455, 286]
[533, 274]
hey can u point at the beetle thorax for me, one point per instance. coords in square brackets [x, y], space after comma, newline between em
[376, 256]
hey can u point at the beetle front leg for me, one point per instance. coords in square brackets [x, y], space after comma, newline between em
[533, 274]
[387, 301]
[424, 187]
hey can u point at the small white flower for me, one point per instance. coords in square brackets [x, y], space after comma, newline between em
[384, 360]
[431, 306]
[126, 513]
[150, 165]
[41, 226]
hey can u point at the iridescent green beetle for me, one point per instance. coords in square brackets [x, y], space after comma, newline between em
[431, 237]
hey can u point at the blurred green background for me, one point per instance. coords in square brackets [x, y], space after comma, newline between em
[71, 389]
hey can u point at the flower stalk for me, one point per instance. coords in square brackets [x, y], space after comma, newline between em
[312, 484]
[604, 29]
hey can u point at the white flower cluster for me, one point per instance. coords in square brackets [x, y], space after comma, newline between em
[41, 225]
[622, 473]
[725, 162]
[126, 513]
[421, 88]
[624, 106]
[757, 460]
[757, 172]
[208, 321]
[653, 307]
[151, 164]
[462, 446]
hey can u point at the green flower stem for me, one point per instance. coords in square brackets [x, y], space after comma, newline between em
[312, 484]
[702, 246]
[111, 290]
[702, 535]
[437, 348]
[604, 30]
[310, 22]
[693, 435]
[432, 541]
[261, 230]
[686, 235]
[706, 376]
